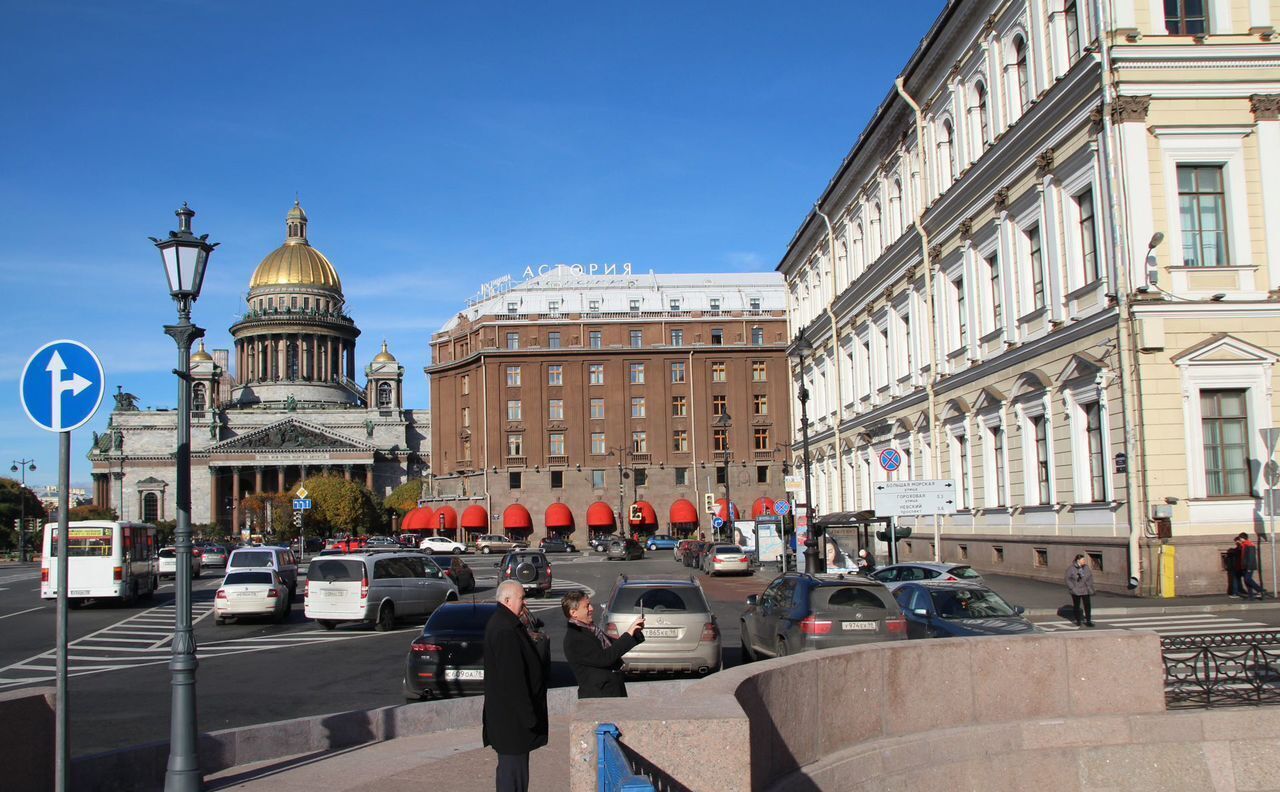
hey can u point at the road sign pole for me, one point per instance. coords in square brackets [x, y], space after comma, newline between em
[62, 742]
[1271, 436]
[893, 540]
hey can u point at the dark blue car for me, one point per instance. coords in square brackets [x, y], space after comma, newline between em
[944, 610]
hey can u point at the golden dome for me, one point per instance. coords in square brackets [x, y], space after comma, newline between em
[296, 263]
[384, 356]
[200, 355]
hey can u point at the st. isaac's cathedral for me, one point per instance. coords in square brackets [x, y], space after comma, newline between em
[289, 408]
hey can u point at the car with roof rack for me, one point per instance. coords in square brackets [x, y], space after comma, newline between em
[681, 634]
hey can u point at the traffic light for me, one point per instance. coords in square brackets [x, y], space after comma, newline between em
[900, 532]
[710, 501]
[636, 515]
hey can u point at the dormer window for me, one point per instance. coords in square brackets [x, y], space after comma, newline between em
[715, 303]
[512, 307]
[755, 303]
[553, 307]
[593, 306]
[635, 305]
[674, 305]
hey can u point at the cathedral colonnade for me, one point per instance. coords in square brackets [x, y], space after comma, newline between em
[308, 357]
[229, 485]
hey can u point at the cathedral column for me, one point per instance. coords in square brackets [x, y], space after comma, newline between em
[368, 477]
[351, 360]
[279, 478]
[282, 346]
[213, 496]
[346, 472]
[235, 500]
[257, 480]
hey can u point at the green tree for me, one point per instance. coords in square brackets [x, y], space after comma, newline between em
[13, 499]
[405, 497]
[268, 513]
[91, 512]
[338, 505]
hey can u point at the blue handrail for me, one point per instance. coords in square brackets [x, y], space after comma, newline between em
[613, 771]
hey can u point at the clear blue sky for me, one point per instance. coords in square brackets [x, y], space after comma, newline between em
[434, 146]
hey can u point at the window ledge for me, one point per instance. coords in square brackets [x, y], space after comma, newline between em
[1111, 505]
[1034, 315]
[1039, 508]
[991, 336]
[995, 510]
[1081, 291]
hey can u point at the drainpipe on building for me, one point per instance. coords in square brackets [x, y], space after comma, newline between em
[1125, 348]
[835, 345]
[693, 430]
[932, 381]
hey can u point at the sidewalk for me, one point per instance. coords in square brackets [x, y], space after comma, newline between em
[1041, 598]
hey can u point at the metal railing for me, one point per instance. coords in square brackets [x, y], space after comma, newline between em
[1228, 669]
[613, 769]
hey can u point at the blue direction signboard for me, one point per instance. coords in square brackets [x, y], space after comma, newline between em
[781, 508]
[301, 504]
[890, 459]
[717, 523]
[61, 386]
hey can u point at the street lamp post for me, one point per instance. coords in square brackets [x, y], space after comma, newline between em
[724, 422]
[814, 562]
[185, 257]
[621, 451]
[21, 466]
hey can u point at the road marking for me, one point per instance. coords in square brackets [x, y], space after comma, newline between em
[19, 613]
[1173, 625]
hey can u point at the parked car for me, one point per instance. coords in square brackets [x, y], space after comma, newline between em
[721, 559]
[375, 588]
[680, 630]
[621, 549]
[529, 568]
[447, 657]
[896, 574]
[799, 612]
[692, 555]
[600, 542]
[556, 544]
[660, 542]
[350, 544]
[251, 592]
[442, 544]
[169, 562]
[380, 542]
[456, 570]
[280, 559]
[213, 555]
[946, 609]
[496, 543]
[680, 548]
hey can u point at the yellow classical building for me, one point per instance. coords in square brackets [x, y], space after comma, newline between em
[1066, 300]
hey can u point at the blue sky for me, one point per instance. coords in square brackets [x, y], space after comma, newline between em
[434, 146]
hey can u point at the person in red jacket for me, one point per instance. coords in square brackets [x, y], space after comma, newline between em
[1249, 564]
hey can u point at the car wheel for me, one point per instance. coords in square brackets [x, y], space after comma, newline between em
[457, 551]
[748, 656]
[219, 621]
[196, 574]
[326, 623]
[485, 550]
[280, 615]
[782, 647]
[386, 618]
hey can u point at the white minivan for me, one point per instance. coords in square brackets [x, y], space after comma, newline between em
[281, 560]
[374, 587]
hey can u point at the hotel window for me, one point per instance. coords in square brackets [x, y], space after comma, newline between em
[754, 303]
[553, 306]
[717, 336]
[757, 336]
[513, 410]
[637, 338]
[1186, 17]
[595, 374]
[597, 444]
[597, 409]
[679, 407]
[682, 477]
[466, 416]
[1224, 424]
[720, 440]
[759, 371]
[1022, 85]
[1088, 238]
[513, 340]
[1036, 265]
[555, 375]
[642, 476]
[677, 371]
[636, 373]
[995, 314]
[513, 376]
[1071, 15]
[717, 371]
[597, 479]
[719, 404]
[673, 304]
[760, 439]
[639, 445]
[512, 307]
[759, 404]
[555, 410]
[680, 440]
[593, 306]
[714, 303]
[515, 479]
[466, 384]
[637, 407]
[515, 445]
[1097, 452]
[1040, 437]
[553, 340]
[555, 444]
[595, 339]
[677, 338]
[1202, 211]
[635, 305]
[557, 479]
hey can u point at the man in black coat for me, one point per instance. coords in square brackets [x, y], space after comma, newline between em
[515, 690]
[596, 659]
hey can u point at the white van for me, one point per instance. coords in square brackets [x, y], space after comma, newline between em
[280, 559]
[376, 587]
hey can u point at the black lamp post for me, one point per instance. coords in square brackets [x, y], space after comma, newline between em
[814, 562]
[724, 422]
[21, 466]
[185, 257]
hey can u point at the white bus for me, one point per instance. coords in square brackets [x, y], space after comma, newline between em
[108, 560]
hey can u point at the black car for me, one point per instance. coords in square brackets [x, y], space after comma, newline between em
[529, 568]
[456, 570]
[447, 659]
[557, 544]
[600, 542]
[943, 610]
[692, 554]
[800, 612]
[625, 549]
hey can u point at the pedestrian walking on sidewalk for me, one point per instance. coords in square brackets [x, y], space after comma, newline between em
[515, 690]
[1249, 565]
[1080, 584]
[595, 658]
[1235, 572]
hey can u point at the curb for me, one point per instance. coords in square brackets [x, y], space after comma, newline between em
[1164, 610]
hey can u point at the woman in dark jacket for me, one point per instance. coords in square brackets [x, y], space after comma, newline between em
[1080, 584]
[596, 659]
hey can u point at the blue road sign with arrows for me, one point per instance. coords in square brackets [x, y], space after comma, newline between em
[61, 386]
[717, 523]
[301, 504]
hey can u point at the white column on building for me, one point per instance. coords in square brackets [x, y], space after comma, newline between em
[1266, 112]
[1052, 249]
[1259, 18]
[1130, 116]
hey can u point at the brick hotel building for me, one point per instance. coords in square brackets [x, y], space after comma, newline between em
[547, 395]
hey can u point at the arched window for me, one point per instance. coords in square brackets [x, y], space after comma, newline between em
[384, 394]
[980, 107]
[947, 152]
[198, 401]
[150, 507]
[877, 232]
[1022, 85]
[859, 260]
[1071, 16]
[897, 222]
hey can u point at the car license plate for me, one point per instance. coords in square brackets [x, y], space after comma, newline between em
[246, 594]
[464, 673]
[857, 625]
[332, 593]
[661, 632]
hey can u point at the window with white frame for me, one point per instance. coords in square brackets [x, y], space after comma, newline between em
[1071, 20]
[1096, 440]
[1087, 226]
[1021, 78]
[958, 439]
[993, 308]
[555, 409]
[598, 447]
[959, 314]
[513, 410]
[947, 154]
[1036, 453]
[555, 444]
[1206, 198]
[995, 484]
[1033, 265]
[1224, 432]
[982, 123]
[513, 376]
[555, 374]
[1202, 211]
[515, 445]
[862, 351]
[1186, 17]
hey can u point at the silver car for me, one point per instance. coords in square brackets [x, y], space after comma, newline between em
[895, 575]
[680, 631]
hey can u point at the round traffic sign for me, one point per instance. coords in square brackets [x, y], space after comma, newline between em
[717, 523]
[890, 459]
[781, 508]
[61, 386]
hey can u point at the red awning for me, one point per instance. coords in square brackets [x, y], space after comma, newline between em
[418, 519]
[647, 515]
[600, 515]
[763, 507]
[724, 509]
[517, 518]
[558, 516]
[446, 518]
[684, 513]
[475, 518]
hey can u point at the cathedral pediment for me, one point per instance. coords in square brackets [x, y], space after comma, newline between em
[290, 435]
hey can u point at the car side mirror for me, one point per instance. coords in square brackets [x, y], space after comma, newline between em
[1018, 609]
[753, 599]
[921, 612]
